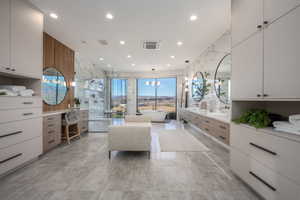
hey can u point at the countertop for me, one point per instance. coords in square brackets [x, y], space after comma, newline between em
[58, 112]
[223, 117]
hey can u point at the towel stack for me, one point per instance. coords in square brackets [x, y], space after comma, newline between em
[14, 90]
[291, 126]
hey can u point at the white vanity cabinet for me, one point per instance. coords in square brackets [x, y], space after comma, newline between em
[281, 57]
[274, 9]
[247, 68]
[265, 64]
[26, 39]
[4, 34]
[21, 38]
[246, 16]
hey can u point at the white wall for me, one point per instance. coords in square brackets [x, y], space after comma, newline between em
[207, 62]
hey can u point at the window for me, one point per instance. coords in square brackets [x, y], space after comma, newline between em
[156, 94]
[118, 95]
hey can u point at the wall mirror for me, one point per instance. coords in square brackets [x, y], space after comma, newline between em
[54, 86]
[222, 79]
[198, 89]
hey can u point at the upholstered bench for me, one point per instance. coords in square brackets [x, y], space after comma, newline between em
[133, 135]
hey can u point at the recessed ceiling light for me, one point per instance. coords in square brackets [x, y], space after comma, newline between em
[122, 42]
[168, 65]
[179, 43]
[53, 15]
[108, 65]
[193, 17]
[109, 16]
[132, 64]
[172, 57]
[129, 56]
[101, 59]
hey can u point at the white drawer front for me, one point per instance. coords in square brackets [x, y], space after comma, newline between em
[18, 154]
[19, 114]
[19, 102]
[15, 132]
[263, 180]
[277, 153]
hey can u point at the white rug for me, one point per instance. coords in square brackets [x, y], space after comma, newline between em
[179, 140]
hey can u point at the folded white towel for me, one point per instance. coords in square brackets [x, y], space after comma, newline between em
[8, 93]
[278, 124]
[26, 93]
[14, 88]
[295, 119]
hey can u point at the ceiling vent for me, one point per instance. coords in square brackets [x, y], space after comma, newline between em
[151, 45]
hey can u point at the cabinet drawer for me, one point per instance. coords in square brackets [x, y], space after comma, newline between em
[263, 180]
[223, 136]
[19, 131]
[273, 151]
[20, 102]
[84, 126]
[19, 114]
[13, 156]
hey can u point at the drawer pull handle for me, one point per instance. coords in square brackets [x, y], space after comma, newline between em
[222, 127]
[262, 148]
[28, 103]
[222, 137]
[262, 181]
[51, 125]
[10, 134]
[10, 158]
[27, 114]
[207, 121]
[51, 141]
[49, 132]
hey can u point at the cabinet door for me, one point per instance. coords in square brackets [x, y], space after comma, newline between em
[281, 61]
[4, 33]
[246, 16]
[247, 68]
[26, 39]
[274, 9]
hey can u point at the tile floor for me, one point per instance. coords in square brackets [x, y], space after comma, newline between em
[82, 171]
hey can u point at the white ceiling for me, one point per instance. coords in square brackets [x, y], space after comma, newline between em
[135, 21]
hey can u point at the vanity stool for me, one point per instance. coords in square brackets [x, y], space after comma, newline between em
[71, 128]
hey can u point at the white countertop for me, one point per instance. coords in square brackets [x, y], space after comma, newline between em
[58, 112]
[223, 117]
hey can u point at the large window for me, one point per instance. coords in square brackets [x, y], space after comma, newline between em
[118, 95]
[156, 94]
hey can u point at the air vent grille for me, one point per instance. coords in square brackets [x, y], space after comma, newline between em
[151, 45]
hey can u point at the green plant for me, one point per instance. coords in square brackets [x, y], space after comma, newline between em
[3, 93]
[77, 101]
[257, 118]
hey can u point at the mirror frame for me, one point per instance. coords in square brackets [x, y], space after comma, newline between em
[215, 78]
[193, 96]
[66, 87]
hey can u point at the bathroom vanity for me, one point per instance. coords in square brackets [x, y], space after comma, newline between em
[215, 124]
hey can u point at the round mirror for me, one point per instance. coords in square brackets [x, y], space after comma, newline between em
[198, 90]
[222, 79]
[54, 86]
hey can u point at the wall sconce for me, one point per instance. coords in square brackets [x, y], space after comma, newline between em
[73, 84]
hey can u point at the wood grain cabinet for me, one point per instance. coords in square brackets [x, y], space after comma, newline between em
[218, 129]
[84, 117]
[52, 129]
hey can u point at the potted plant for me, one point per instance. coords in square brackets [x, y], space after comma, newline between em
[77, 102]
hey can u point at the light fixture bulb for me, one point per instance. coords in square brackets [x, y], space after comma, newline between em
[53, 15]
[122, 42]
[193, 17]
[179, 43]
[172, 57]
[101, 59]
[73, 84]
[109, 16]
[129, 56]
